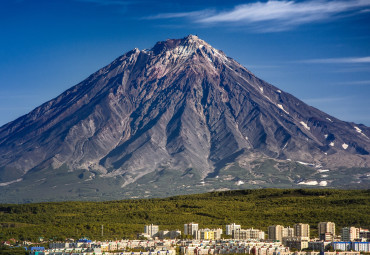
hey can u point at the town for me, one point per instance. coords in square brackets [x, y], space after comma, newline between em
[279, 240]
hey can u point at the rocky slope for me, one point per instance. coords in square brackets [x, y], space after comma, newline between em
[184, 109]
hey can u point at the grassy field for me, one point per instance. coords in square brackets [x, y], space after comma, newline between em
[124, 219]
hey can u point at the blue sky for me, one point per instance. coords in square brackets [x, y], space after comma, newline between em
[319, 51]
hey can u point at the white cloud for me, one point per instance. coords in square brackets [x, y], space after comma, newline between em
[272, 16]
[349, 60]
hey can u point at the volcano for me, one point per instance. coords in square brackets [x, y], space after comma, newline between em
[179, 118]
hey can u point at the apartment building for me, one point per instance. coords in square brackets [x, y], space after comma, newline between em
[151, 230]
[349, 234]
[326, 231]
[288, 232]
[298, 243]
[275, 232]
[301, 230]
[208, 234]
[191, 229]
[231, 227]
[248, 234]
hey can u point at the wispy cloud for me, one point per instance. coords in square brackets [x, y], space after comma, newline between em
[349, 60]
[272, 16]
[365, 82]
[352, 69]
[287, 11]
[194, 14]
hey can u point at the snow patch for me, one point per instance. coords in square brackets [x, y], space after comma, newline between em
[323, 183]
[305, 125]
[282, 108]
[345, 146]
[323, 170]
[309, 183]
[314, 183]
[303, 163]
[324, 175]
[267, 98]
[285, 145]
[278, 91]
[326, 136]
[331, 144]
[221, 56]
[261, 89]
[8, 183]
[240, 182]
[329, 119]
[246, 138]
[360, 131]
[228, 178]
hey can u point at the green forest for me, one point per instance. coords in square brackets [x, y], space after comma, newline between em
[124, 219]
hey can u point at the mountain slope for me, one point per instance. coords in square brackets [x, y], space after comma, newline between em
[181, 107]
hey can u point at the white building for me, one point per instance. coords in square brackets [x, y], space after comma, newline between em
[355, 246]
[301, 230]
[360, 246]
[350, 234]
[343, 246]
[296, 242]
[248, 234]
[325, 230]
[191, 229]
[288, 232]
[231, 227]
[276, 232]
[151, 230]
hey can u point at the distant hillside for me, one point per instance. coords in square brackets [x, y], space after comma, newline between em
[123, 219]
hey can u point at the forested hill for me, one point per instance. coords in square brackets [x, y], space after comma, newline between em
[126, 218]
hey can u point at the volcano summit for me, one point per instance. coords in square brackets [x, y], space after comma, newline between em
[179, 118]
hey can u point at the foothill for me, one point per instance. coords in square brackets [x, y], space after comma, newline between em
[279, 240]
